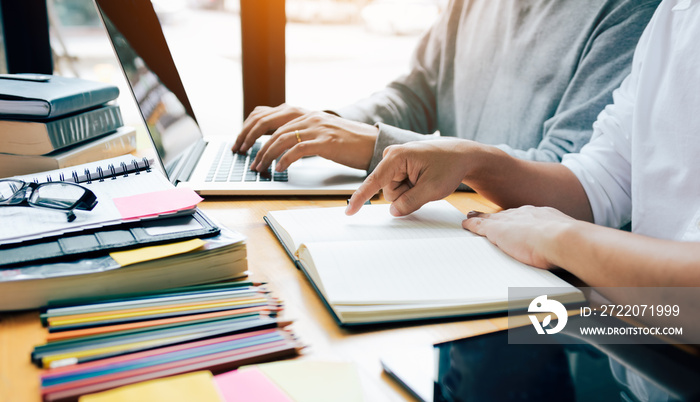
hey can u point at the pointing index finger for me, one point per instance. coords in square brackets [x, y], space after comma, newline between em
[363, 193]
[381, 176]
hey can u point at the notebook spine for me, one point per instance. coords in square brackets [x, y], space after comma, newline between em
[100, 173]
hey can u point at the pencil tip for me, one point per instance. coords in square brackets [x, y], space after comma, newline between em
[284, 323]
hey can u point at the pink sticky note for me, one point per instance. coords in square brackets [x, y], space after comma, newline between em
[157, 203]
[249, 385]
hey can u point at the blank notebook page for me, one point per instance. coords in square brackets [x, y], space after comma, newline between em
[373, 222]
[436, 270]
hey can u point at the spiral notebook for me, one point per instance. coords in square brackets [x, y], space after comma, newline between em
[127, 190]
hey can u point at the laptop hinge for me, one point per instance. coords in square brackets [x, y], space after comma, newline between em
[189, 162]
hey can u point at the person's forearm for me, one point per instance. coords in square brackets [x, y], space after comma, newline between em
[512, 182]
[602, 256]
[536, 154]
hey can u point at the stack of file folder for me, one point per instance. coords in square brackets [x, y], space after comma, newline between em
[105, 344]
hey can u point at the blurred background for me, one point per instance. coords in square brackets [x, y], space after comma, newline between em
[337, 51]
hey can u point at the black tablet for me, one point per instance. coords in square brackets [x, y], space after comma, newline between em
[488, 368]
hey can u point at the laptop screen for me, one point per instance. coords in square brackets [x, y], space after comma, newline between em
[138, 41]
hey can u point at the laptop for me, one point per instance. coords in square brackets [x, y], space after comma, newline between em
[206, 165]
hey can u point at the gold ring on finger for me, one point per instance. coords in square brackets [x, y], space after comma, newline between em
[298, 137]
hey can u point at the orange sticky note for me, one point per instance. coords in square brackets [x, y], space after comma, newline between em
[157, 203]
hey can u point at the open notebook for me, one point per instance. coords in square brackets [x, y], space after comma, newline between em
[373, 267]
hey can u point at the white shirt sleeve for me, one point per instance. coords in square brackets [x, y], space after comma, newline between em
[603, 166]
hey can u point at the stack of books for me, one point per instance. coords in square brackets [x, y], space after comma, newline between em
[50, 122]
[102, 344]
[144, 234]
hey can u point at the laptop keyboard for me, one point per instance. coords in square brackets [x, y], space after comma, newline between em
[230, 167]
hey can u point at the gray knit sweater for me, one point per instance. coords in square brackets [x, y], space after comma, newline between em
[529, 76]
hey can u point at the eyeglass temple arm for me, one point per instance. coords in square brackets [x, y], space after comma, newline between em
[87, 202]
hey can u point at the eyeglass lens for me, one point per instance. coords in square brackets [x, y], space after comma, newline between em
[8, 188]
[56, 195]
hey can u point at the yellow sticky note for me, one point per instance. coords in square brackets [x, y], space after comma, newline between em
[198, 386]
[129, 257]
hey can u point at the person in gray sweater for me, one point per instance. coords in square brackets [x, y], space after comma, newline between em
[528, 76]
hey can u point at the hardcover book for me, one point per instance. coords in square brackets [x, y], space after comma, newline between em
[120, 142]
[36, 96]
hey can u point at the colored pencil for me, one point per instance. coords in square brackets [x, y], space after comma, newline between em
[216, 364]
[275, 305]
[57, 336]
[155, 301]
[154, 352]
[136, 337]
[140, 334]
[93, 317]
[151, 294]
[193, 351]
[81, 355]
[130, 337]
[159, 367]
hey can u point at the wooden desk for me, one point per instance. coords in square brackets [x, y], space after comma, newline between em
[267, 261]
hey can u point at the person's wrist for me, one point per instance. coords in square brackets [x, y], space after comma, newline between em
[370, 132]
[560, 239]
[376, 156]
[371, 142]
[473, 158]
[367, 143]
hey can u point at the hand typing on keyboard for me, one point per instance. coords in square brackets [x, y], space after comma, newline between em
[298, 133]
[230, 167]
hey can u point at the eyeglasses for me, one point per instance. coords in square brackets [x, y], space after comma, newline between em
[54, 195]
